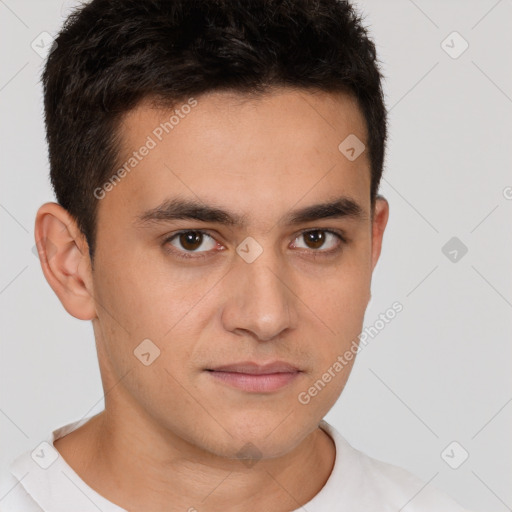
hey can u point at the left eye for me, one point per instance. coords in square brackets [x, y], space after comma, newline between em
[317, 238]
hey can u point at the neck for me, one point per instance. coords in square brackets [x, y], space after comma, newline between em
[139, 466]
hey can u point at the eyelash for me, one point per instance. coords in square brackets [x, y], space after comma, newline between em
[315, 253]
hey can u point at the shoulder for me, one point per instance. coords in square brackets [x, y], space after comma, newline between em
[13, 495]
[374, 485]
[27, 483]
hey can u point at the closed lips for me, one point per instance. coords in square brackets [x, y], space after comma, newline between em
[252, 368]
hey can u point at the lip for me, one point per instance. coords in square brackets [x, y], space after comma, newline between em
[257, 378]
[253, 368]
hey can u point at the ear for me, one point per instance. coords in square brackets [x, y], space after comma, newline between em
[64, 256]
[380, 220]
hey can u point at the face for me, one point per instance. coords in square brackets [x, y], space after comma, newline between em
[213, 249]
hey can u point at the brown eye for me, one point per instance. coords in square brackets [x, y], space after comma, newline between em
[191, 241]
[316, 239]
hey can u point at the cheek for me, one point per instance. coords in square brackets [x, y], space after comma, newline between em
[341, 305]
[343, 297]
[146, 299]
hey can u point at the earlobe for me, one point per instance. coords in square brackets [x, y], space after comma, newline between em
[64, 256]
[380, 220]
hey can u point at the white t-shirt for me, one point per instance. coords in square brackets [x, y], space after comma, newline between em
[41, 481]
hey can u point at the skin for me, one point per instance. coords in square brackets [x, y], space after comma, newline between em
[170, 433]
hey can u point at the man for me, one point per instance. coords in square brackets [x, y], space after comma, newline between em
[216, 166]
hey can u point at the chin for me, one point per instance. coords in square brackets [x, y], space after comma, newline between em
[264, 438]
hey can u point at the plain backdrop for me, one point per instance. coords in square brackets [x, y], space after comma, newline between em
[440, 371]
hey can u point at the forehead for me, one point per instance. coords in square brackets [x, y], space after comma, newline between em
[261, 154]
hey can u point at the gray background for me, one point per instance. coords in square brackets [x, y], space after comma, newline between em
[441, 370]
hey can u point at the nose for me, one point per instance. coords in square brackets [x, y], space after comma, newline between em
[261, 299]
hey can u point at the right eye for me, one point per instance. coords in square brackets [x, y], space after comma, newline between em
[188, 242]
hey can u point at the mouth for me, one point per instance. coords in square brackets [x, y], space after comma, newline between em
[256, 378]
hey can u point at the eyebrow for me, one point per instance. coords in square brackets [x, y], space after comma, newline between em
[186, 209]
